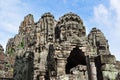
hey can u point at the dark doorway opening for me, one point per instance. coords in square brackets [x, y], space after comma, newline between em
[76, 57]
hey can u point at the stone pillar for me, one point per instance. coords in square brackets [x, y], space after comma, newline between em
[93, 71]
[61, 63]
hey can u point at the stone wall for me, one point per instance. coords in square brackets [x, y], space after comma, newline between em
[60, 50]
[2, 60]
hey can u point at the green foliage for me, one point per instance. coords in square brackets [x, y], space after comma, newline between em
[7, 65]
[10, 51]
[22, 44]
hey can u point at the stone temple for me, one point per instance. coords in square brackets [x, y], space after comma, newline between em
[61, 50]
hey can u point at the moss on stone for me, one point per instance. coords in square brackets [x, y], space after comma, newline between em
[10, 51]
[110, 75]
[22, 44]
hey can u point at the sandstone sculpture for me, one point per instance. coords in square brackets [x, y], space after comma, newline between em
[61, 50]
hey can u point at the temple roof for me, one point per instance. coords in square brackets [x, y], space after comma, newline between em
[48, 14]
[71, 16]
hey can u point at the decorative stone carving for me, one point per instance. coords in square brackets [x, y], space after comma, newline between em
[2, 61]
[60, 50]
[98, 41]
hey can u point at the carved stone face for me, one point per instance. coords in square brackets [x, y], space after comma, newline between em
[74, 29]
[63, 35]
[62, 30]
[50, 36]
[28, 30]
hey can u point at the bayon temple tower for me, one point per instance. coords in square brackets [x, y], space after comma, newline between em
[61, 50]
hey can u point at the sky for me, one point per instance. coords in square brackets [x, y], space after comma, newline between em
[102, 14]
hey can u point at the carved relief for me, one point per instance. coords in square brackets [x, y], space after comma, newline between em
[61, 50]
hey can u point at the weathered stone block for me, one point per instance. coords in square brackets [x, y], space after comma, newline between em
[108, 75]
[107, 59]
[108, 67]
[51, 49]
[118, 66]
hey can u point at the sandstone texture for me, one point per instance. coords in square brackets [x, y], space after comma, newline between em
[59, 50]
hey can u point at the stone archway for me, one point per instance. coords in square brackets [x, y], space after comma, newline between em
[75, 58]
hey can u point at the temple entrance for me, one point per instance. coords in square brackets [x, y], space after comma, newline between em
[75, 58]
